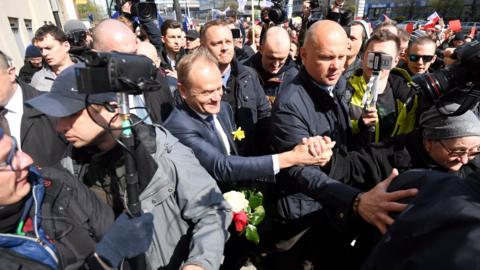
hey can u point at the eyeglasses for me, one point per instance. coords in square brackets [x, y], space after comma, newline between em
[416, 57]
[11, 155]
[460, 153]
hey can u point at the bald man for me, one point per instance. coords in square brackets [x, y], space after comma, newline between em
[314, 208]
[272, 62]
[112, 35]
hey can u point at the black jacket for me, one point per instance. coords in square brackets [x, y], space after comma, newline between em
[27, 71]
[162, 101]
[440, 228]
[38, 136]
[272, 83]
[303, 109]
[251, 108]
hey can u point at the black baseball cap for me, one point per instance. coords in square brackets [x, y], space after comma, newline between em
[64, 99]
[192, 34]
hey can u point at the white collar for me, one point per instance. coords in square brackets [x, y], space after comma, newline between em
[15, 104]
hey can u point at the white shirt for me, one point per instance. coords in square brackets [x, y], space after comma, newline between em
[15, 113]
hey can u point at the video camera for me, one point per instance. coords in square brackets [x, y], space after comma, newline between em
[116, 72]
[378, 61]
[277, 13]
[461, 79]
[145, 10]
[77, 38]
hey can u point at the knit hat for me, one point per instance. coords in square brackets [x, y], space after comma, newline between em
[438, 126]
[32, 52]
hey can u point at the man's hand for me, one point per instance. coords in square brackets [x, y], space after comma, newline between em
[320, 147]
[311, 151]
[370, 117]
[171, 73]
[375, 204]
[192, 267]
[448, 56]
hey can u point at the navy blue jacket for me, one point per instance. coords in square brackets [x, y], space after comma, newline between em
[251, 109]
[195, 133]
[304, 109]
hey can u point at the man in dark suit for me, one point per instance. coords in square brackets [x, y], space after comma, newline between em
[314, 208]
[34, 131]
[205, 124]
[242, 88]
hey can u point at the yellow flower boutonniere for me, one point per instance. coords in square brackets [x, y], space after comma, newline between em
[238, 134]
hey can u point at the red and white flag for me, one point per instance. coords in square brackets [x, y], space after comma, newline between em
[432, 20]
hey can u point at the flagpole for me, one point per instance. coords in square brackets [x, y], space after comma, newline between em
[253, 22]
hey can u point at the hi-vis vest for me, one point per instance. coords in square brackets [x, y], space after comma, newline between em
[406, 110]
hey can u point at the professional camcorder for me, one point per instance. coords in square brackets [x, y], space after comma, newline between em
[116, 72]
[277, 13]
[458, 80]
[145, 10]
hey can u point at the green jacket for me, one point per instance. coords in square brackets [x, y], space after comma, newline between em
[406, 103]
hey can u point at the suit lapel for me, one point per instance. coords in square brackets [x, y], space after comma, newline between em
[204, 128]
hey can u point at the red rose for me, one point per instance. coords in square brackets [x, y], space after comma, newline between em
[240, 219]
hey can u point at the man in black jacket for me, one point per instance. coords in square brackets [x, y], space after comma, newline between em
[49, 220]
[313, 207]
[272, 62]
[242, 89]
[34, 130]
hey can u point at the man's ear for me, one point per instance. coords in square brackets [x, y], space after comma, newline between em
[303, 53]
[183, 91]
[66, 45]
[11, 74]
[163, 39]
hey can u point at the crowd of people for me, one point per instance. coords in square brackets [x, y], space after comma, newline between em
[319, 116]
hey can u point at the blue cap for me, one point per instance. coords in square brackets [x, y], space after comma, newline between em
[32, 51]
[64, 99]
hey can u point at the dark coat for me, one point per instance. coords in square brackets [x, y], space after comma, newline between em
[251, 108]
[195, 133]
[440, 228]
[161, 101]
[38, 136]
[27, 71]
[303, 109]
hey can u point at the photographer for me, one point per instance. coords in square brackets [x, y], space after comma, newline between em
[190, 215]
[78, 36]
[395, 110]
[112, 35]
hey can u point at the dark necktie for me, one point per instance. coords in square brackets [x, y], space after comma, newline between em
[3, 121]
[210, 122]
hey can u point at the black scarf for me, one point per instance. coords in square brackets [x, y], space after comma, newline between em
[9, 216]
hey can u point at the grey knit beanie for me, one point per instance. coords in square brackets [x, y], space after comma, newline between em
[437, 126]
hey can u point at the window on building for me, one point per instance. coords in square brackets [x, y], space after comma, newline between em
[16, 33]
[28, 25]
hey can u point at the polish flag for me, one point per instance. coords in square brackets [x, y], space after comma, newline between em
[432, 20]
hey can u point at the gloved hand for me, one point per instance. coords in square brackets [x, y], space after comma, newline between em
[127, 238]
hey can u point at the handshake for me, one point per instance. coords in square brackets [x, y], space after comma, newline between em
[317, 150]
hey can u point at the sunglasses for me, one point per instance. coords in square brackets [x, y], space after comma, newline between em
[416, 58]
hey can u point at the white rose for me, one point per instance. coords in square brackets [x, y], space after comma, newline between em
[236, 200]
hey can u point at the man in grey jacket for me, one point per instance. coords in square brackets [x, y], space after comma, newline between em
[190, 215]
